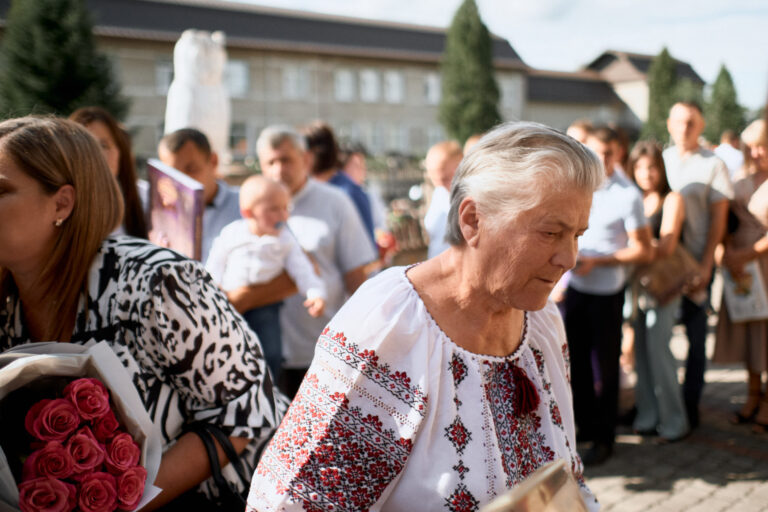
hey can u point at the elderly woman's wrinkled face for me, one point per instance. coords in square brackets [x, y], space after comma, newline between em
[525, 258]
[27, 216]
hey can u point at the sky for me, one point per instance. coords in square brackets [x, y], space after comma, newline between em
[565, 35]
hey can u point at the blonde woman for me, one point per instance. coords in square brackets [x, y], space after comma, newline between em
[63, 278]
[748, 341]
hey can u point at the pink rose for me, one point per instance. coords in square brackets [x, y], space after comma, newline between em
[46, 495]
[85, 450]
[97, 492]
[89, 396]
[53, 460]
[122, 453]
[52, 420]
[130, 487]
[105, 428]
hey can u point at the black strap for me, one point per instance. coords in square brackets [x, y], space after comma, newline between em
[229, 451]
[205, 431]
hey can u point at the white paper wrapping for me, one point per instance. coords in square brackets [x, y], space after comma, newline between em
[26, 363]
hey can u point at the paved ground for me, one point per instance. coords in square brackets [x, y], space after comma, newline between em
[719, 467]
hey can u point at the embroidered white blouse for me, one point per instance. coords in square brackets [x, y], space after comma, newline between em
[393, 413]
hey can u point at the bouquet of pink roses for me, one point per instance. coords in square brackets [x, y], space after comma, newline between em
[66, 444]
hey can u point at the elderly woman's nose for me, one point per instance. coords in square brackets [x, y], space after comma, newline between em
[566, 256]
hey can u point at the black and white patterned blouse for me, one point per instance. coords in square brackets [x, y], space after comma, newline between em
[191, 356]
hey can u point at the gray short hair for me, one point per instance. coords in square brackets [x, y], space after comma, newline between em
[504, 172]
[273, 136]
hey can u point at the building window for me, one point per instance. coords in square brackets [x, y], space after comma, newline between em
[295, 82]
[236, 78]
[163, 76]
[394, 87]
[370, 87]
[432, 88]
[238, 140]
[344, 85]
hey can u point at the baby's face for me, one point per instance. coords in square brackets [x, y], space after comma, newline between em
[271, 211]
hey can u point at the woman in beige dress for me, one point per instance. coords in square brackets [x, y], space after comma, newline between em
[748, 341]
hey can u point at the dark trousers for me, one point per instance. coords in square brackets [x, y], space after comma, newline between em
[291, 380]
[265, 322]
[593, 325]
[694, 317]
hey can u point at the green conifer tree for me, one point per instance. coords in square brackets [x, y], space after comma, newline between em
[662, 82]
[49, 62]
[470, 94]
[722, 111]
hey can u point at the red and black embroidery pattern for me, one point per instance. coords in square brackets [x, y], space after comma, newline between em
[519, 437]
[398, 384]
[461, 500]
[330, 456]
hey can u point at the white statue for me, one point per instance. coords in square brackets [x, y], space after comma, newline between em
[198, 97]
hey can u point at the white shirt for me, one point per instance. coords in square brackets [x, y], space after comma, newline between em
[617, 210]
[240, 258]
[395, 416]
[328, 227]
[224, 209]
[702, 179]
[436, 221]
[733, 158]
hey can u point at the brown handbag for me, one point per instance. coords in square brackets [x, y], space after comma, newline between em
[666, 278]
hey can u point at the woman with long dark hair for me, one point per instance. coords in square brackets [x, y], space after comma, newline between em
[116, 146]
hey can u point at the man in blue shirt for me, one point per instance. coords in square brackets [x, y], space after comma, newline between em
[189, 151]
[618, 235]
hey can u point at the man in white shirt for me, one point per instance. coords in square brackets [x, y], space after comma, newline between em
[328, 228]
[729, 151]
[702, 179]
[189, 151]
[442, 161]
[618, 235]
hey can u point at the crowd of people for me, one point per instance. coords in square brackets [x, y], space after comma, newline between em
[337, 384]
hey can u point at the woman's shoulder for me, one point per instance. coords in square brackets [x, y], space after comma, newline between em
[546, 327]
[135, 258]
[385, 309]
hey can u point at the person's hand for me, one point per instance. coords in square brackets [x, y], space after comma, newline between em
[315, 307]
[735, 259]
[584, 266]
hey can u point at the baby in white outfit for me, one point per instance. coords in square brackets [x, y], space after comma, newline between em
[256, 249]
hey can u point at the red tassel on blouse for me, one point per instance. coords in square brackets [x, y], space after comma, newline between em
[526, 397]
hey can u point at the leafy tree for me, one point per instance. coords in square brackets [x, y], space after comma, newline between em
[722, 111]
[688, 90]
[470, 94]
[49, 62]
[662, 84]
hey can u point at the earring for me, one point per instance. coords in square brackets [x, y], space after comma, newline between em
[59, 222]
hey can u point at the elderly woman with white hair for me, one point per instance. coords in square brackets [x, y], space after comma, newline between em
[440, 386]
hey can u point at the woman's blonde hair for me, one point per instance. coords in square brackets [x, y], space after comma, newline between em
[753, 135]
[56, 152]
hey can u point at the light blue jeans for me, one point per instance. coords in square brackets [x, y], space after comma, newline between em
[658, 396]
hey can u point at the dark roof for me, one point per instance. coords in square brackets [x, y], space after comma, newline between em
[576, 87]
[641, 63]
[257, 27]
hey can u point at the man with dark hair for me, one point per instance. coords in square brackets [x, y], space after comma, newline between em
[702, 179]
[189, 151]
[618, 235]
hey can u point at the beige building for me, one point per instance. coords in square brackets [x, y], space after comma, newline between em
[375, 82]
[627, 73]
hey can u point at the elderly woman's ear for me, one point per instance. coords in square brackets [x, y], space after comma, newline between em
[64, 201]
[469, 221]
